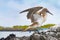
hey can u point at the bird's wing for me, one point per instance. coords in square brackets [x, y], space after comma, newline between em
[32, 19]
[29, 14]
[29, 9]
[32, 11]
[25, 10]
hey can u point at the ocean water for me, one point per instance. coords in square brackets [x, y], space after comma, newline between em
[17, 33]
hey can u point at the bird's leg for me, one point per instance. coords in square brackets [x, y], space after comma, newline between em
[39, 27]
[36, 23]
[27, 28]
[31, 26]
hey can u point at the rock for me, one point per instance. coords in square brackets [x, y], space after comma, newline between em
[2, 38]
[58, 29]
[10, 37]
[16, 38]
[52, 34]
[24, 38]
[58, 35]
[37, 36]
[51, 38]
[55, 28]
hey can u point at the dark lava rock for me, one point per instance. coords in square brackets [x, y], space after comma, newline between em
[2, 39]
[10, 37]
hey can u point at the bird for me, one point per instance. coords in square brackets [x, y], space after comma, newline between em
[37, 15]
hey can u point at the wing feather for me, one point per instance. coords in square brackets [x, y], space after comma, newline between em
[31, 11]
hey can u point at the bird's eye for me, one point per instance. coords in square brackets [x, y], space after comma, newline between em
[41, 14]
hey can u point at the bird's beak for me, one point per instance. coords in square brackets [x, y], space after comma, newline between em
[49, 12]
[20, 12]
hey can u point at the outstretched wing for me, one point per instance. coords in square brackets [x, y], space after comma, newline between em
[31, 11]
[25, 10]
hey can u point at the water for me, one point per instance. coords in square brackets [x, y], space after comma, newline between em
[17, 33]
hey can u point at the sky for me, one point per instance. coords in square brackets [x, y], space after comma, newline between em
[9, 11]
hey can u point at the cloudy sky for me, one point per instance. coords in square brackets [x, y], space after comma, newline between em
[9, 11]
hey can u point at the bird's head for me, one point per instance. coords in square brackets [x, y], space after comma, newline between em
[45, 9]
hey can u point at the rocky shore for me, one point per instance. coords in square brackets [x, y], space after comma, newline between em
[52, 33]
